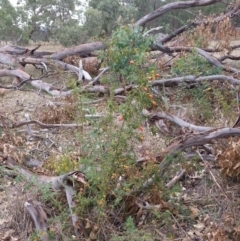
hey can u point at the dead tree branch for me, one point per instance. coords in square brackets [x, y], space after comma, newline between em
[194, 24]
[22, 123]
[194, 140]
[39, 84]
[193, 79]
[178, 121]
[201, 52]
[173, 6]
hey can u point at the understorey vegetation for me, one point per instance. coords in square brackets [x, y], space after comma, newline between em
[130, 137]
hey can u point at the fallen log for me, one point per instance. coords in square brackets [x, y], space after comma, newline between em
[191, 79]
[83, 48]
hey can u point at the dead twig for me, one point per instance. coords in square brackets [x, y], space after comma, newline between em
[178, 176]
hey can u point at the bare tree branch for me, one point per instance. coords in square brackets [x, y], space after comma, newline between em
[173, 6]
[202, 52]
[178, 121]
[193, 79]
[37, 83]
[194, 140]
[180, 30]
[22, 123]
[84, 48]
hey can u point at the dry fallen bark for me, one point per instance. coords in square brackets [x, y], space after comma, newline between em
[102, 89]
[43, 125]
[190, 140]
[81, 49]
[178, 176]
[77, 223]
[96, 79]
[25, 56]
[57, 63]
[19, 50]
[57, 182]
[215, 62]
[20, 61]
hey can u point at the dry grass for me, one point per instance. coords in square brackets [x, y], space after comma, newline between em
[16, 221]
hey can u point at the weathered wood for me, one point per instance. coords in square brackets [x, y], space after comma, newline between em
[194, 140]
[84, 48]
[39, 84]
[179, 122]
[190, 79]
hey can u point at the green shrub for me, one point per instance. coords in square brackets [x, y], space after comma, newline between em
[194, 64]
[126, 52]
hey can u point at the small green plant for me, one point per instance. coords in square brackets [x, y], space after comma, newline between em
[203, 94]
[129, 224]
[136, 235]
[201, 101]
[193, 64]
[61, 165]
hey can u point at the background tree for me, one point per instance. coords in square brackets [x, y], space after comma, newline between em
[48, 18]
[71, 33]
[9, 24]
[75, 22]
[104, 16]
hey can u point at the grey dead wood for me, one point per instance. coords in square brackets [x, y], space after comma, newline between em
[188, 141]
[83, 48]
[179, 122]
[39, 84]
[57, 183]
[201, 52]
[190, 79]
